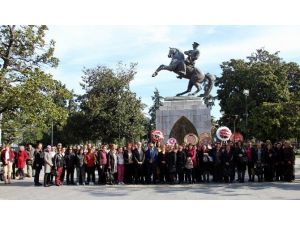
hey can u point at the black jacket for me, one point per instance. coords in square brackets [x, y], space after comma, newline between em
[181, 159]
[255, 155]
[59, 160]
[126, 156]
[227, 158]
[79, 160]
[38, 160]
[138, 157]
[171, 161]
[70, 160]
[269, 157]
[162, 157]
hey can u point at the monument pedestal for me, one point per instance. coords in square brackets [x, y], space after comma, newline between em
[179, 116]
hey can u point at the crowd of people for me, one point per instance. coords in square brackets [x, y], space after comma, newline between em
[154, 163]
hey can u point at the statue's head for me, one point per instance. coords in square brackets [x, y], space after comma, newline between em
[195, 45]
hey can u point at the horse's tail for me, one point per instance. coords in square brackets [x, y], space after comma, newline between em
[207, 89]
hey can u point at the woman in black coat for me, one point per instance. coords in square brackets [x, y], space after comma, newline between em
[269, 163]
[241, 161]
[162, 164]
[171, 164]
[199, 165]
[180, 164]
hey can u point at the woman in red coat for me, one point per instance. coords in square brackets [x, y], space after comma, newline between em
[22, 157]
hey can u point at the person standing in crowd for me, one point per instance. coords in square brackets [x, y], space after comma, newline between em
[63, 173]
[279, 161]
[189, 169]
[171, 164]
[151, 161]
[250, 162]
[199, 163]
[70, 160]
[59, 163]
[90, 161]
[180, 164]
[29, 161]
[191, 153]
[258, 157]
[120, 167]
[53, 169]
[289, 162]
[22, 157]
[162, 164]
[80, 167]
[102, 163]
[205, 164]
[47, 166]
[15, 164]
[216, 154]
[7, 158]
[269, 162]
[138, 159]
[241, 161]
[227, 161]
[38, 163]
[129, 165]
[112, 161]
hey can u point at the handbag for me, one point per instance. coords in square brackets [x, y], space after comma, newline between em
[54, 172]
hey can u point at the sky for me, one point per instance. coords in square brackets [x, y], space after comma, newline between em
[79, 47]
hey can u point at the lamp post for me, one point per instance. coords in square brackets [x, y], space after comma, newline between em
[246, 93]
[235, 117]
[1, 130]
[52, 134]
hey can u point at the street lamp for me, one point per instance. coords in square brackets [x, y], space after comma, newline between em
[52, 134]
[0, 130]
[246, 93]
[235, 117]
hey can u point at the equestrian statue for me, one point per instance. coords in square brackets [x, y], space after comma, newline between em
[185, 68]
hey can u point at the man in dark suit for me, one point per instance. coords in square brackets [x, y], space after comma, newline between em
[138, 159]
[151, 161]
[38, 163]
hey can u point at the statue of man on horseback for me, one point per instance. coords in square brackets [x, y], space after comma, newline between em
[185, 68]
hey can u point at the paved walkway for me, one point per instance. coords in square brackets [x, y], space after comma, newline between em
[277, 190]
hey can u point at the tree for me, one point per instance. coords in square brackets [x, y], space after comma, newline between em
[271, 83]
[112, 111]
[157, 102]
[28, 94]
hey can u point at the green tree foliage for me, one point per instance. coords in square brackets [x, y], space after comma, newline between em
[28, 95]
[274, 88]
[157, 102]
[111, 110]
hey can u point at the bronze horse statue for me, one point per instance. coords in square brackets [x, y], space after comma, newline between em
[193, 74]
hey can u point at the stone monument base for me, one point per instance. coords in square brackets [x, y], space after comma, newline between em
[179, 116]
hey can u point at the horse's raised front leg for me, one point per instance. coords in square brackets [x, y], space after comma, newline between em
[162, 67]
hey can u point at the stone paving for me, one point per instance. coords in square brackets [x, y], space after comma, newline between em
[24, 189]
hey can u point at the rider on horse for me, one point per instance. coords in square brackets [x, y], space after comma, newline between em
[193, 55]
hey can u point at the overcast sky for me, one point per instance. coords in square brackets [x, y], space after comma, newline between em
[88, 46]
